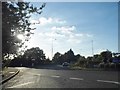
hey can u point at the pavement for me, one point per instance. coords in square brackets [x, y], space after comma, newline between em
[7, 74]
[62, 77]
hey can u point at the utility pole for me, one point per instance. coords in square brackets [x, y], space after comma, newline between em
[52, 48]
[92, 49]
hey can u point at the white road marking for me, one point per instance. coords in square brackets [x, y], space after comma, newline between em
[38, 80]
[35, 74]
[22, 68]
[21, 85]
[38, 74]
[55, 76]
[109, 81]
[76, 78]
[11, 72]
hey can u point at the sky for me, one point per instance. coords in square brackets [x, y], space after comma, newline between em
[67, 25]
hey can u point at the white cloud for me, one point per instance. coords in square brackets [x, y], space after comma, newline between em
[70, 35]
[49, 35]
[64, 34]
[60, 21]
[74, 40]
[34, 21]
[79, 35]
[64, 28]
[44, 21]
[89, 35]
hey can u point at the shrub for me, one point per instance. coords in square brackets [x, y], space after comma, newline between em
[107, 65]
[112, 65]
[101, 65]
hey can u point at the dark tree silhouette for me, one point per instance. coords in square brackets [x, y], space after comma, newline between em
[106, 55]
[56, 58]
[32, 57]
[15, 20]
[70, 56]
[67, 57]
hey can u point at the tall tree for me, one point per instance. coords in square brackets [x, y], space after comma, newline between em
[56, 57]
[15, 21]
[70, 56]
[34, 55]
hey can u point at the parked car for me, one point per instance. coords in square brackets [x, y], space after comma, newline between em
[65, 64]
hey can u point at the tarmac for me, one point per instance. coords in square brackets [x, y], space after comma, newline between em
[8, 74]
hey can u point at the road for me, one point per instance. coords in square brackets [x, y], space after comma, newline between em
[62, 77]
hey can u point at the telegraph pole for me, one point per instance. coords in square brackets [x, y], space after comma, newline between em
[92, 49]
[52, 48]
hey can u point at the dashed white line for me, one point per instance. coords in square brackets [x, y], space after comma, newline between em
[38, 74]
[21, 85]
[109, 81]
[76, 78]
[55, 76]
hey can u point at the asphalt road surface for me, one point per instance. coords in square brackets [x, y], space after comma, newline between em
[62, 77]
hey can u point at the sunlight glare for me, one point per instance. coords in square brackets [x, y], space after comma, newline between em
[20, 36]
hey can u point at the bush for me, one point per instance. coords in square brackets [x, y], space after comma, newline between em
[112, 65]
[101, 65]
[107, 65]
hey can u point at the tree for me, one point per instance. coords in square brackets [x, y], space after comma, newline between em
[97, 59]
[89, 61]
[77, 57]
[48, 61]
[15, 21]
[34, 55]
[81, 61]
[66, 57]
[56, 57]
[106, 55]
[70, 56]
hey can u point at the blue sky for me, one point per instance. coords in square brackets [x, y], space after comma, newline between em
[75, 25]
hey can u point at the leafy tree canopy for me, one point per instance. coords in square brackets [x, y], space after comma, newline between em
[15, 21]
